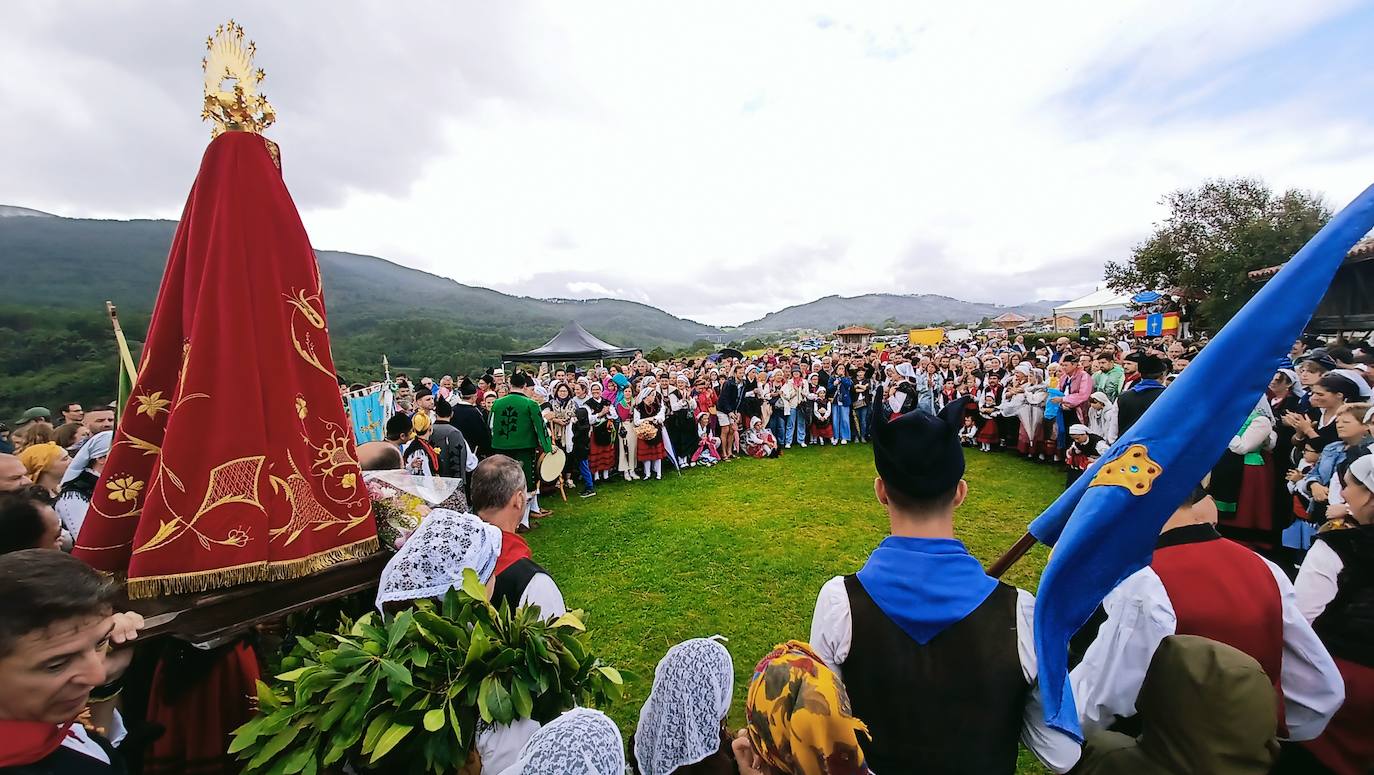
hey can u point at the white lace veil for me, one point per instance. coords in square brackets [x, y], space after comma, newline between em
[432, 560]
[680, 722]
[580, 742]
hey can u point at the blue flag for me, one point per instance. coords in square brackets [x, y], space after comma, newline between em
[1105, 526]
[368, 414]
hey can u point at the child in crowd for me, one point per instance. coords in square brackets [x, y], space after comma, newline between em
[968, 434]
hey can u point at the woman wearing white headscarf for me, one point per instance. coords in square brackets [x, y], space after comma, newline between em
[432, 560]
[582, 741]
[78, 483]
[682, 725]
[1025, 400]
[1102, 416]
[649, 417]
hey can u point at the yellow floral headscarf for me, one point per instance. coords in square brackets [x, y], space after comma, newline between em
[798, 717]
[40, 457]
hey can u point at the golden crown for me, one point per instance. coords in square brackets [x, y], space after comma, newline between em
[232, 99]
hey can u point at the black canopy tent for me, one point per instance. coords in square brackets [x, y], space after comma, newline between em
[573, 343]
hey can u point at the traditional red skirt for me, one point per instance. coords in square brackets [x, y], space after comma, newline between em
[602, 456]
[987, 432]
[1027, 445]
[649, 451]
[822, 430]
[1346, 746]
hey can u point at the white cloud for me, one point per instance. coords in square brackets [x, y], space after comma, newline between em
[724, 160]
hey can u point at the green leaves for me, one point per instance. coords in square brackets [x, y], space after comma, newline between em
[403, 693]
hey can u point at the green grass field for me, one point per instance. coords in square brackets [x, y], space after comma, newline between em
[742, 549]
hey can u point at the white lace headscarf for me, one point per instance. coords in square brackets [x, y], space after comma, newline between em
[582, 741]
[432, 560]
[680, 722]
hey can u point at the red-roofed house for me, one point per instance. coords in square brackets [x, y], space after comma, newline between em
[855, 335]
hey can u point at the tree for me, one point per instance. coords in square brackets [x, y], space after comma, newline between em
[1085, 319]
[657, 354]
[1215, 234]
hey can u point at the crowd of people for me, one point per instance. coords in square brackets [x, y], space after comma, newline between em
[1244, 647]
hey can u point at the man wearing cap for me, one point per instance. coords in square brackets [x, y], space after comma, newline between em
[1198, 583]
[938, 657]
[1134, 401]
[35, 414]
[518, 431]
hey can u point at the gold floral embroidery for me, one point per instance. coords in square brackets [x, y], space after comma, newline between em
[151, 404]
[301, 408]
[124, 489]
[349, 480]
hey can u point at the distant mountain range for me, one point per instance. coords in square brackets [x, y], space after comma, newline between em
[875, 309]
[71, 263]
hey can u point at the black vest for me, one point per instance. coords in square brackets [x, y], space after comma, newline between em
[1346, 625]
[65, 761]
[953, 705]
[511, 582]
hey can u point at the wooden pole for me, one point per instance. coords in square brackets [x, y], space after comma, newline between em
[1011, 556]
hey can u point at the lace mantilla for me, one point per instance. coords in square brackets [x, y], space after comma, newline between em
[580, 742]
[680, 722]
[432, 560]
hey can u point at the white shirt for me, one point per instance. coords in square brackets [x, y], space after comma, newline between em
[832, 634]
[79, 740]
[1140, 615]
[1316, 584]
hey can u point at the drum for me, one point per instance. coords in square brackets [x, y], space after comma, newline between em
[551, 465]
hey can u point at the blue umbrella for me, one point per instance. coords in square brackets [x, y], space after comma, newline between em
[1145, 297]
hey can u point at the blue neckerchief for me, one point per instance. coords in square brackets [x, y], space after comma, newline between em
[925, 584]
[1146, 384]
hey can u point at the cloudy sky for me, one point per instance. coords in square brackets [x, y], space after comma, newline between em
[718, 160]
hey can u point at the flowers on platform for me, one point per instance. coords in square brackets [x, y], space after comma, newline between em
[124, 489]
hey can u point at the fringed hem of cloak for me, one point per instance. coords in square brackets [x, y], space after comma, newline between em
[145, 587]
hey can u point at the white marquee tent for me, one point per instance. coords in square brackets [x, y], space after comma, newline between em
[1103, 304]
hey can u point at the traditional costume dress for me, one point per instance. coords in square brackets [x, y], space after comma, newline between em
[1198, 583]
[1081, 454]
[78, 483]
[603, 438]
[1335, 591]
[938, 657]
[821, 427]
[1243, 485]
[682, 426]
[987, 422]
[759, 441]
[648, 428]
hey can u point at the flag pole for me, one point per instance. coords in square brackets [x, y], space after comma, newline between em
[124, 356]
[1011, 556]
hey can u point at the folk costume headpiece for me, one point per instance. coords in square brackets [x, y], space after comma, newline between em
[918, 454]
[798, 717]
[233, 460]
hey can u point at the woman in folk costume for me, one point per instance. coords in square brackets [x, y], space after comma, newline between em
[602, 451]
[759, 441]
[420, 457]
[1025, 402]
[1242, 485]
[560, 410]
[682, 426]
[78, 483]
[904, 395]
[1335, 592]
[582, 741]
[1283, 398]
[1322, 484]
[432, 559]
[682, 727]
[821, 409]
[649, 417]
[1102, 416]
[622, 408]
[708, 444]
[798, 719]
[1083, 449]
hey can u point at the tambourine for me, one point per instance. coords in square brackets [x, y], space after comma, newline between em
[551, 465]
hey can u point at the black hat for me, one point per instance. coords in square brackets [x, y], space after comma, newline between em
[467, 388]
[519, 380]
[442, 408]
[1150, 365]
[917, 454]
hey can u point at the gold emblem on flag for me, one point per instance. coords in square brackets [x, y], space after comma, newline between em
[1132, 469]
[232, 97]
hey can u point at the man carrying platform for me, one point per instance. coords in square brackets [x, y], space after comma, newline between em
[937, 656]
[518, 431]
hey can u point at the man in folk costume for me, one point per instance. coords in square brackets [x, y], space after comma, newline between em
[468, 418]
[56, 642]
[233, 460]
[1134, 400]
[518, 431]
[1198, 583]
[936, 655]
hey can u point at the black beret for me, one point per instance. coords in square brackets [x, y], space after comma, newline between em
[917, 454]
[519, 380]
[466, 388]
[442, 408]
